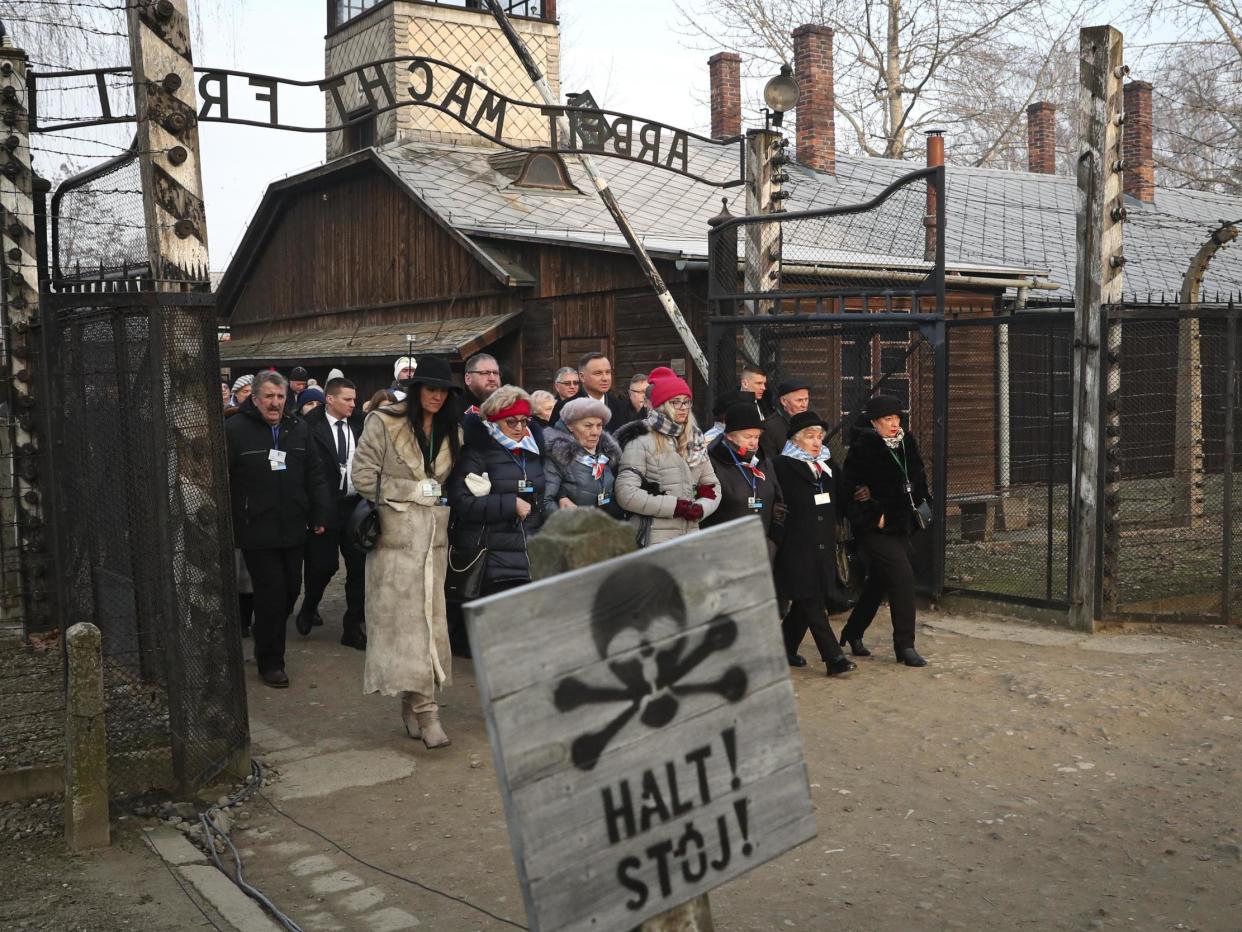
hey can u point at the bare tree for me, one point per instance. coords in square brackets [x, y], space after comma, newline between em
[903, 66]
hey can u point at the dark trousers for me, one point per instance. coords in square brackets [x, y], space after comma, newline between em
[321, 565]
[889, 573]
[277, 578]
[809, 614]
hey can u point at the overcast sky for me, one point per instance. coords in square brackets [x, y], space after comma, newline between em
[628, 54]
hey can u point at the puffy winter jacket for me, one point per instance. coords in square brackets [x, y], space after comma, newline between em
[567, 477]
[651, 480]
[491, 520]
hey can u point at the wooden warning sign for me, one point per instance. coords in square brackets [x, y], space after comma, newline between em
[643, 728]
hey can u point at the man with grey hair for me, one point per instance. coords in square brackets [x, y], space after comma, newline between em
[279, 492]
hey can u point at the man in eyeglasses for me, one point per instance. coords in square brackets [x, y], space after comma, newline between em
[482, 378]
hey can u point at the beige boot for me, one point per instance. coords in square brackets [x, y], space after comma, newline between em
[408, 716]
[433, 735]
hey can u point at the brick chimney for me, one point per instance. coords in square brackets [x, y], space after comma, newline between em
[726, 89]
[1041, 138]
[817, 128]
[935, 158]
[1139, 178]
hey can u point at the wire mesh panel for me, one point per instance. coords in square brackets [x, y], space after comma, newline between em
[98, 225]
[141, 526]
[1009, 447]
[1169, 525]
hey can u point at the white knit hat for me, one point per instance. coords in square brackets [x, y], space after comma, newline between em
[402, 363]
[335, 374]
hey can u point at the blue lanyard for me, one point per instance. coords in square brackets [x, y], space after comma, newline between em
[276, 437]
[521, 462]
[752, 479]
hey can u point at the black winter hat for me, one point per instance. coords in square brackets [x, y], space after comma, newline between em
[742, 416]
[433, 372]
[879, 406]
[728, 399]
[298, 374]
[792, 385]
[804, 420]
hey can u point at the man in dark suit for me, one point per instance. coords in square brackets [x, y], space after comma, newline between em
[334, 433]
[595, 371]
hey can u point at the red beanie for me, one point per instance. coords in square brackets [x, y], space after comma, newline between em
[661, 372]
[519, 408]
[670, 386]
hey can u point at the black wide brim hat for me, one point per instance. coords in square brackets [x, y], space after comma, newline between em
[879, 406]
[790, 386]
[433, 372]
[742, 416]
[804, 420]
[728, 399]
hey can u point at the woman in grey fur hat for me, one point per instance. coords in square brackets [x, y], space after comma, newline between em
[582, 459]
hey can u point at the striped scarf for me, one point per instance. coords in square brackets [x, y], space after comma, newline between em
[696, 449]
[818, 464]
[527, 443]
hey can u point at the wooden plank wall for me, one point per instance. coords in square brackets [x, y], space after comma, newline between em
[357, 243]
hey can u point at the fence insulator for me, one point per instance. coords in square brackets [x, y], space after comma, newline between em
[1117, 261]
[1118, 214]
[1119, 165]
[1121, 71]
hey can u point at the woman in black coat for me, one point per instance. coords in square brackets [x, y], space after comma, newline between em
[805, 568]
[496, 489]
[886, 459]
[747, 480]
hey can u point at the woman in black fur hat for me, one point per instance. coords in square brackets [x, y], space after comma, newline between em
[886, 459]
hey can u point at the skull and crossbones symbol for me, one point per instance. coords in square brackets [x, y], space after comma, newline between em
[635, 609]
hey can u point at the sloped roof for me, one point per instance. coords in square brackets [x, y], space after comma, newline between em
[999, 219]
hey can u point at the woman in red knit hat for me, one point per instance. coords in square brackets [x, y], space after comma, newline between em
[665, 481]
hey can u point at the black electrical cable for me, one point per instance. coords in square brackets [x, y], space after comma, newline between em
[388, 873]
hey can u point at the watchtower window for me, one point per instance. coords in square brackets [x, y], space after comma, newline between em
[360, 134]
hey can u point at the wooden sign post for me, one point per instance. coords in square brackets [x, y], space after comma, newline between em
[643, 727]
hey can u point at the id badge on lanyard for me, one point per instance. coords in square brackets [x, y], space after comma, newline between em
[276, 460]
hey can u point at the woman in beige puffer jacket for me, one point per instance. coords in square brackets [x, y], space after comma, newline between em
[665, 480]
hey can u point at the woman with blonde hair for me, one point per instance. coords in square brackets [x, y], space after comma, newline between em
[665, 480]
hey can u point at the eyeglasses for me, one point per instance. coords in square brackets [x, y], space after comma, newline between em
[487, 372]
[573, 382]
[680, 403]
[515, 422]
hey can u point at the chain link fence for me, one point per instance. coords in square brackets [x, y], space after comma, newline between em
[1171, 532]
[141, 530]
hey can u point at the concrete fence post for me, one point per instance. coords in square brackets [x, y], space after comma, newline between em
[86, 747]
[570, 540]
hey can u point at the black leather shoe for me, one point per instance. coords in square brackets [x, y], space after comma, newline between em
[354, 637]
[316, 620]
[277, 679]
[797, 660]
[910, 657]
[303, 623]
[841, 665]
[857, 647]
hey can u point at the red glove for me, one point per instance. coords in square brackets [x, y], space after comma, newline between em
[705, 490]
[690, 511]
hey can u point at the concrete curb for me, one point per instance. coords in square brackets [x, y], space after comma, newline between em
[238, 910]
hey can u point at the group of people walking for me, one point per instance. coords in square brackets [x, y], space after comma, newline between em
[461, 478]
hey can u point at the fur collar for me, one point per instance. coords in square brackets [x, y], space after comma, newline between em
[563, 449]
[630, 432]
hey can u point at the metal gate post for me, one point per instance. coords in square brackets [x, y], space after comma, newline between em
[940, 478]
[1231, 395]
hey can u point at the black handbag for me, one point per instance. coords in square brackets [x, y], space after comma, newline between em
[922, 515]
[849, 565]
[463, 581]
[363, 525]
